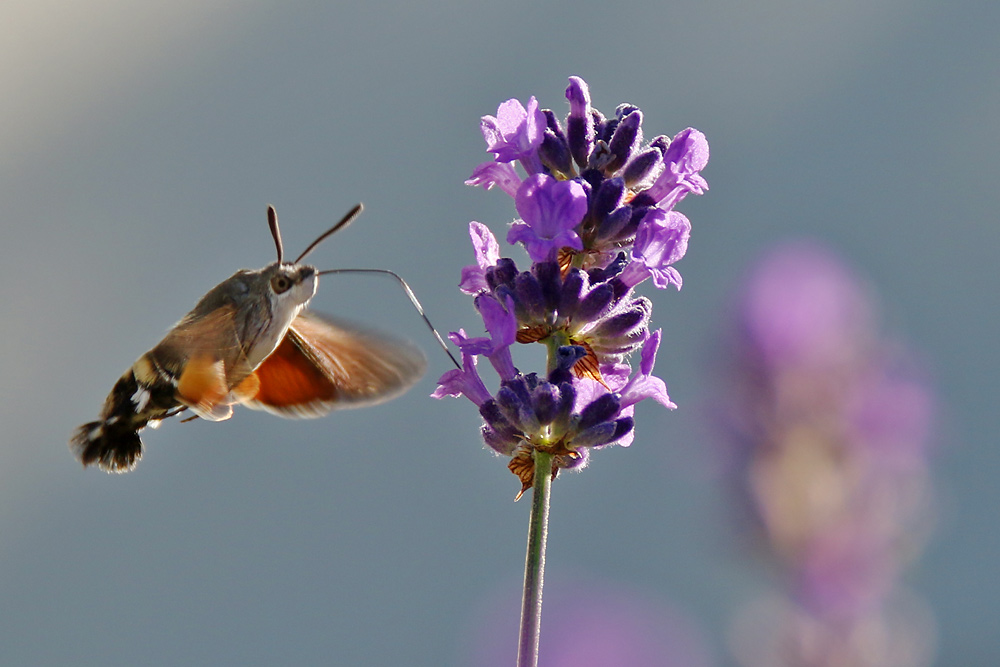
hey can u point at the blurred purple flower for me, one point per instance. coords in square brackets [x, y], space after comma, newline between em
[803, 308]
[831, 428]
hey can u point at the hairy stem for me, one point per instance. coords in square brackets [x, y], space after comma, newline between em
[534, 562]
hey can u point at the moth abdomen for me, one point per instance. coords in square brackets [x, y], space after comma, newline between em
[113, 443]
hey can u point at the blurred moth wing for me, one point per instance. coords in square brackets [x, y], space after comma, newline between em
[324, 364]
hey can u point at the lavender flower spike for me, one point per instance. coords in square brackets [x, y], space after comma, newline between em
[596, 221]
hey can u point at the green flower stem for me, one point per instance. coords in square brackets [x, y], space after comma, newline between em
[534, 562]
[538, 530]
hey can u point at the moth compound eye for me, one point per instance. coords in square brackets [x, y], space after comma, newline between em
[280, 283]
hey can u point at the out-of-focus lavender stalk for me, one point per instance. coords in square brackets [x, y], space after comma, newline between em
[831, 425]
[596, 218]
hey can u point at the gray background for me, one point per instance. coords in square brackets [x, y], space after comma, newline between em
[139, 145]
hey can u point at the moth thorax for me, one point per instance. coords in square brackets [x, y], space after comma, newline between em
[285, 307]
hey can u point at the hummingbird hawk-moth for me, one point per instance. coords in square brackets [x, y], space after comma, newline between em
[250, 341]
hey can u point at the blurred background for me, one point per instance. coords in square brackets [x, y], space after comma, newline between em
[139, 146]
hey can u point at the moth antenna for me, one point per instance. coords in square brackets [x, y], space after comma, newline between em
[272, 222]
[409, 294]
[346, 220]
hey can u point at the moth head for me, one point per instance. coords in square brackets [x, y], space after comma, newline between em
[289, 285]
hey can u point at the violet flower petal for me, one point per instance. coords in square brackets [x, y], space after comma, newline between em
[465, 381]
[502, 327]
[550, 210]
[515, 132]
[487, 252]
[661, 240]
[644, 384]
[501, 174]
[685, 157]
